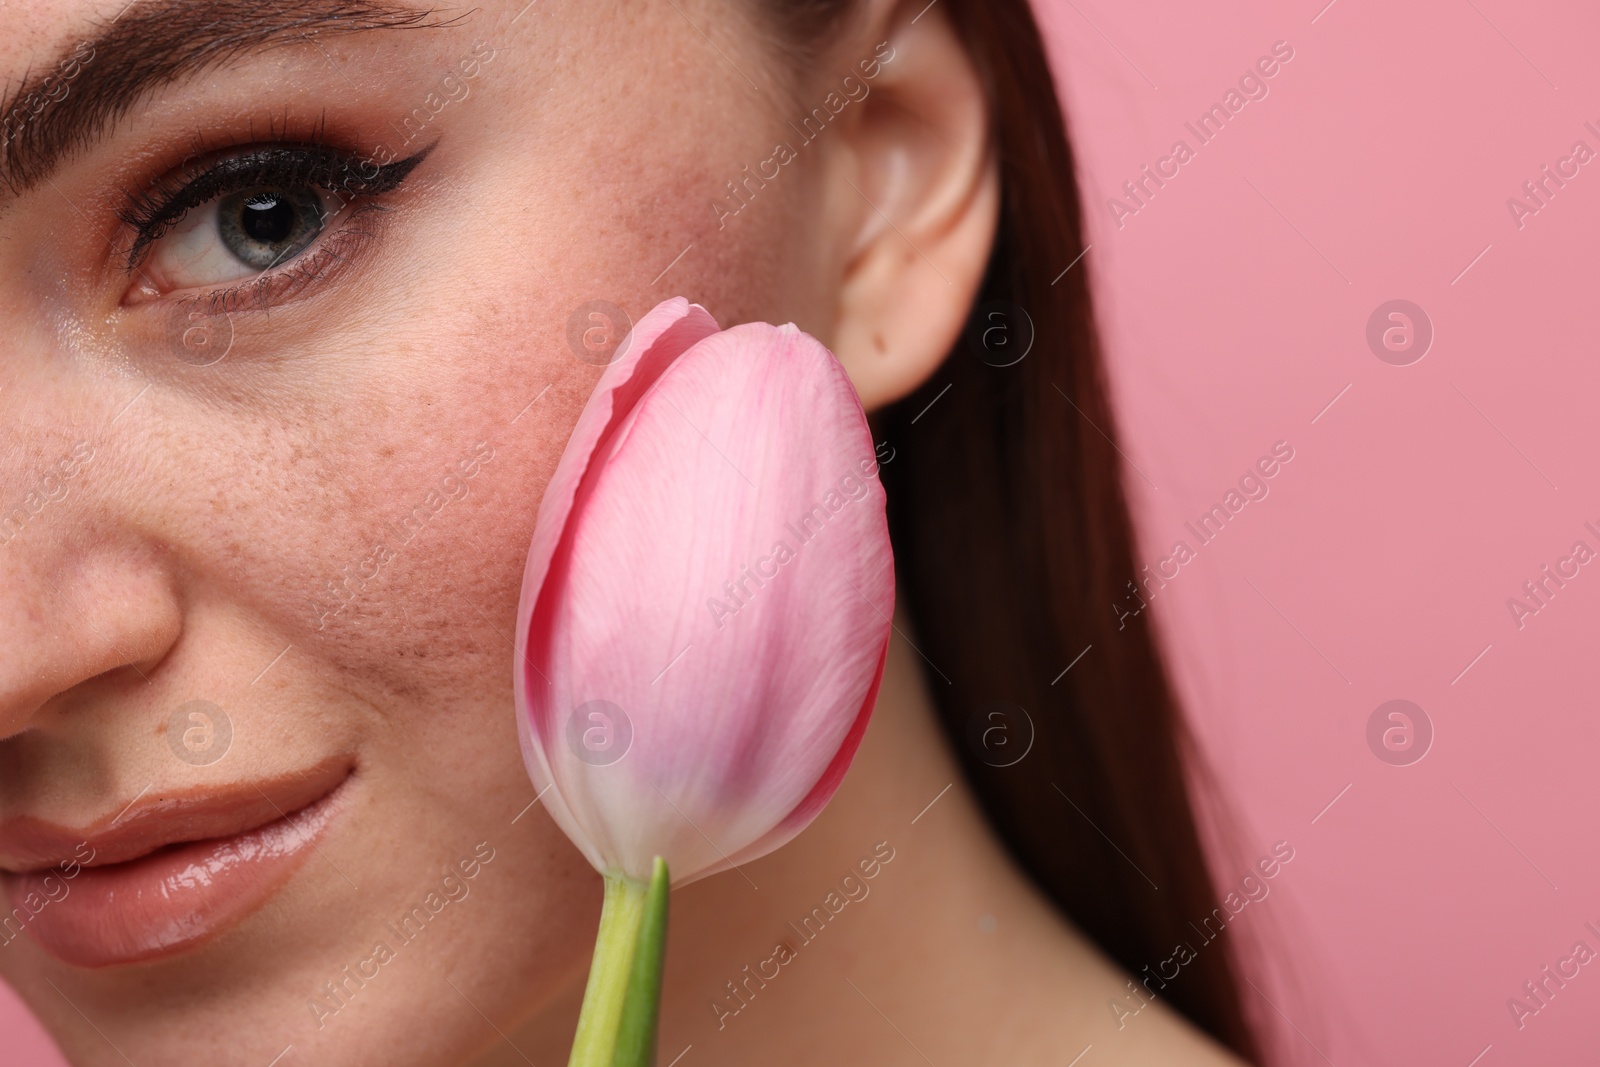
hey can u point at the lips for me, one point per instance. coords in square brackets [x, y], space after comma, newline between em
[170, 871]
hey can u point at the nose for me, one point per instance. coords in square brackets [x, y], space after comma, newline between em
[78, 599]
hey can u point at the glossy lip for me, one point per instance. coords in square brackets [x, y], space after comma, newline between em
[167, 872]
[155, 819]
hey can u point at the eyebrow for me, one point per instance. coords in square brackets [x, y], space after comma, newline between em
[152, 43]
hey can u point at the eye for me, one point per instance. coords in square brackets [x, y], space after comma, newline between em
[237, 236]
[259, 222]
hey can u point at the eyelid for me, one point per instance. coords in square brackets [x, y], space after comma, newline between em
[153, 214]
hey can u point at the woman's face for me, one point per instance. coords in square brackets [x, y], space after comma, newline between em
[268, 493]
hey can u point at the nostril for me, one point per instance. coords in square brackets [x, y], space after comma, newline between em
[74, 616]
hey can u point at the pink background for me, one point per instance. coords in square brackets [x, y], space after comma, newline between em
[1235, 305]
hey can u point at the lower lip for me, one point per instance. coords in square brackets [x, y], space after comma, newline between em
[169, 900]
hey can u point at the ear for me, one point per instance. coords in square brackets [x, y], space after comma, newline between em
[920, 221]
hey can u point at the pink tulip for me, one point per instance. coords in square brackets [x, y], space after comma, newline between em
[706, 607]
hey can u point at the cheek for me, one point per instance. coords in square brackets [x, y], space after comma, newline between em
[320, 505]
[638, 226]
[764, 263]
[442, 603]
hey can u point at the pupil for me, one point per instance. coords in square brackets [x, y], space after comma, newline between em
[268, 219]
[265, 227]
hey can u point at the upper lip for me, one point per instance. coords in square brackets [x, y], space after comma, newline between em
[157, 818]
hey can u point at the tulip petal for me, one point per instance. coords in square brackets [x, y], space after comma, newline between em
[655, 341]
[722, 574]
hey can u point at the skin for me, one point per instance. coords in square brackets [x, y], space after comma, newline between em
[183, 558]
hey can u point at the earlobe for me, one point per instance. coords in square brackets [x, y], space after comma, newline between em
[920, 208]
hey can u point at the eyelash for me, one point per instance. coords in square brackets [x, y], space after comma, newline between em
[348, 176]
[332, 248]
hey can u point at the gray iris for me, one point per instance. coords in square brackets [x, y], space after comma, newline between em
[267, 227]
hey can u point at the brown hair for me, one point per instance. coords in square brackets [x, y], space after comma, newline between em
[1013, 540]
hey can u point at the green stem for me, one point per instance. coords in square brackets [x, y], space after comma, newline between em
[603, 998]
[622, 1002]
[636, 1036]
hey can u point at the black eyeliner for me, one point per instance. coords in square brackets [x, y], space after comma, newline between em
[319, 166]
